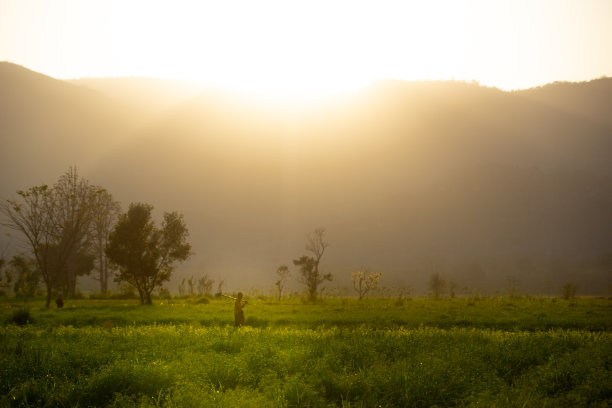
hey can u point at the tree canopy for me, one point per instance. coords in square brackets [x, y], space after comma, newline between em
[144, 254]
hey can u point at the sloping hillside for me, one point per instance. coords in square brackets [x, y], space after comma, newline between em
[408, 178]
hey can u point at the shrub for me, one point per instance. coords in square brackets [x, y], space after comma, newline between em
[21, 317]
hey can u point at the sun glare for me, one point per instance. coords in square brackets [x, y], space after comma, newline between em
[282, 48]
[308, 48]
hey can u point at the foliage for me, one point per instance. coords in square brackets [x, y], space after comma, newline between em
[310, 276]
[145, 254]
[364, 281]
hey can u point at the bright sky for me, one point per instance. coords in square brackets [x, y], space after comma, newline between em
[286, 46]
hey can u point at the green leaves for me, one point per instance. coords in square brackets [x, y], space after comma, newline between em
[145, 254]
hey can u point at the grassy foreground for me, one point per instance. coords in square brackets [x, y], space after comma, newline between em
[184, 353]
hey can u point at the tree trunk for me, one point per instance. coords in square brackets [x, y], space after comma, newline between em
[149, 301]
[71, 272]
[48, 296]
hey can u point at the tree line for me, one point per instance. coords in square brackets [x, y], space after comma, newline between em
[73, 227]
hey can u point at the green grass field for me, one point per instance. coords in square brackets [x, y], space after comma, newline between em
[502, 352]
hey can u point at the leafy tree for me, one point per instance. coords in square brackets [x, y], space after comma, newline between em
[145, 254]
[310, 275]
[26, 276]
[364, 281]
[436, 284]
[283, 275]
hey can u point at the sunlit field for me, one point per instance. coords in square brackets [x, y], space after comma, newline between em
[417, 352]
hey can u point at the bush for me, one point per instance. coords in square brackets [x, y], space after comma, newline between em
[21, 317]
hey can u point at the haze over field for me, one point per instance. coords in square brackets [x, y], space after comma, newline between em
[470, 138]
[482, 185]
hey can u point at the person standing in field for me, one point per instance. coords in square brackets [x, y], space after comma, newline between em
[238, 312]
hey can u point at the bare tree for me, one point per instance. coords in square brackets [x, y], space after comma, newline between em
[364, 281]
[31, 216]
[106, 215]
[56, 226]
[283, 275]
[317, 245]
[72, 216]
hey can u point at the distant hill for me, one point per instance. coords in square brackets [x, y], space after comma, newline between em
[47, 124]
[484, 186]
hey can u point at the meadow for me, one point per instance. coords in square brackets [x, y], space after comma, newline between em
[465, 352]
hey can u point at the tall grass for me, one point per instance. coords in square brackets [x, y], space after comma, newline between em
[314, 362]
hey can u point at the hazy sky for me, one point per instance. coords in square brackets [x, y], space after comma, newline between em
[286, 46]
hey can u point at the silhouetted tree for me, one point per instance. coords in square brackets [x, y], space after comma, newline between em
[56, 225]
[364, 281]
[283, 275]
[106, 213]
[145, 254]
[73, 210]
[317, 245]
[436, 284]
[30, 215]
[310, 275]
